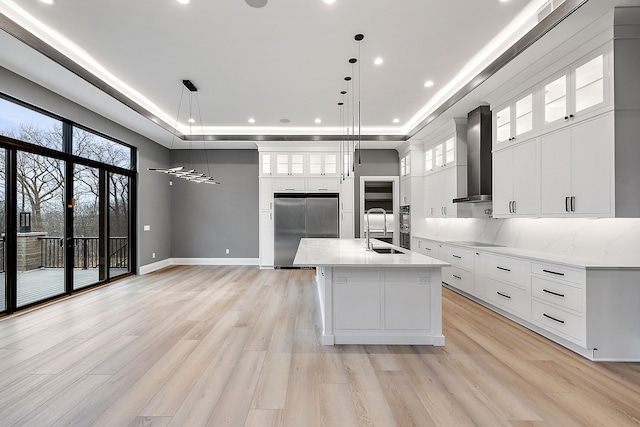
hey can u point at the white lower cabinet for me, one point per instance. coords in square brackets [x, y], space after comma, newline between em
[511, 298]
[357, 299]
[284, 185]
[460, 275]
[266, 239]
[346, 225]
[590, 310]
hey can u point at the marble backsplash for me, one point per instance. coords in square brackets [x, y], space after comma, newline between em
[615, 240]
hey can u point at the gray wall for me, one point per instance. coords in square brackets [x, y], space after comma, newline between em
[374, 163]
[207, 219]
[153, 196]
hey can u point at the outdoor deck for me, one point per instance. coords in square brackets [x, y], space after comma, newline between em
[36, 285]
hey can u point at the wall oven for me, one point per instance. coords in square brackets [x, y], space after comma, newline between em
[405, 227]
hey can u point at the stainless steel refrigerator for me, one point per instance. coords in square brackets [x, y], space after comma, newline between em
[302, 215]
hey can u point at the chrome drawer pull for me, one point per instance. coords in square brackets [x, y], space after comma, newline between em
[553, 272]
[456, 256]
[503, 295]
[457, 277]
[552, 318]
[503, 269]
[553, 293]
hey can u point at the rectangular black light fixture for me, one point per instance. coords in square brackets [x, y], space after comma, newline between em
[190, 85]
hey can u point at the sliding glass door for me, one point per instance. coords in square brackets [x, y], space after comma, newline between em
[40, 227]
[119, 225]
[65, 206]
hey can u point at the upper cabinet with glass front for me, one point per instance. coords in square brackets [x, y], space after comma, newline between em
[577, 92]
[515, 120]
[289, 164]
[323, 164]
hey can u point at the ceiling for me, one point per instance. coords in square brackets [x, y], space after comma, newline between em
[285, 61]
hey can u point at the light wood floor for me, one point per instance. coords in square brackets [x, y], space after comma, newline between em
[192, 346]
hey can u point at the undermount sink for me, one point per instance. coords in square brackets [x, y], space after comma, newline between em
[386, 250]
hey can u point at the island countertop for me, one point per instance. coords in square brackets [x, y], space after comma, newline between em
[314, 252]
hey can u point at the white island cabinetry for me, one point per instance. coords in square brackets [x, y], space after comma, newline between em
[372, 298]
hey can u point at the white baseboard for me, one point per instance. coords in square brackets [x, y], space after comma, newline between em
[149, 268]
[215, 261]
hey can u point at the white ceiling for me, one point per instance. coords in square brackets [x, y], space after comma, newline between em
[286, 60]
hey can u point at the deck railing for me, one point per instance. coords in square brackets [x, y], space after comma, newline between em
[85, 252]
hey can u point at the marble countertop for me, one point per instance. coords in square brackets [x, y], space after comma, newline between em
[314, 252]
[569, 261]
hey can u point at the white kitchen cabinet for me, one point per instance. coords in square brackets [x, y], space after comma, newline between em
[578, 91]
[405, 165]
[429, 160]
[323, 185]
[267, 161]
[460, 275]
[405, 191]
[576, 169]
[289, 185]
[347, 194]
[448, 178]
[323, 164]
[266, 243]
[346, 225]
[289, 164]
[266, 193]
[440, 190]
[515, 120]
[516, 180]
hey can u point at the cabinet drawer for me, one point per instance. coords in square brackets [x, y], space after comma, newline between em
[458, 278]
[514, 271]
[431, 248]
[567, 325]
[511, 298]
[323, 184]
[459, 257]
[556, 271]
[288, 184]
[557, 293]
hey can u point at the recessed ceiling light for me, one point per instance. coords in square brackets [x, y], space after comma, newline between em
[256, 3]
[252, 120]
[378, 61]
[47, 1]
[285, 121]
[318, 121]
[329, 1]
[192, 120]
[428, 83]
[396, 120]
[184, 1]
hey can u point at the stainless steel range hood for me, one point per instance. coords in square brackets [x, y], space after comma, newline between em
[478, 156]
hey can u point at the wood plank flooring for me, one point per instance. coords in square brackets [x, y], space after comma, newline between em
[239, 346]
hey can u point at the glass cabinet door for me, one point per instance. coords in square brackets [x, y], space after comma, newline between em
[524, 115]
[315, 164]
[450, 153]
[555, 100]
[428, 160]
[589, 89]
[439, 155]
[503, 124]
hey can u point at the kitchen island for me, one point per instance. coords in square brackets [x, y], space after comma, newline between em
[373, 297]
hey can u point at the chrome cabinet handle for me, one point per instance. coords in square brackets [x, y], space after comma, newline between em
[457, 277]
[503, 295]
[503, 269]
[552, 272]
[566, 204]
[573, 203]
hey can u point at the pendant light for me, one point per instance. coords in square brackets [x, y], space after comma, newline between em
[359, 38]
[180, 171]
